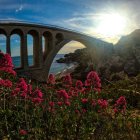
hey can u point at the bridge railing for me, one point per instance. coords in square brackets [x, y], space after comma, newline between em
[48, 25]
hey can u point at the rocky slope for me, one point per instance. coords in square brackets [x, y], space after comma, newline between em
[124, 59]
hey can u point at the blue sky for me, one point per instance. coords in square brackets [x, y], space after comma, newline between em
[79, 15]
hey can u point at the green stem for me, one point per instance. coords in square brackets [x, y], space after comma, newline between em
[5, 114]
[26, 114]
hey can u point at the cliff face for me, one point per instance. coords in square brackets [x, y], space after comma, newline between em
[125, 58]
[128, 48]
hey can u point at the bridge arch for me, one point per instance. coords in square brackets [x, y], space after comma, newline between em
[57, 48]
[17, 31]
[2, 31]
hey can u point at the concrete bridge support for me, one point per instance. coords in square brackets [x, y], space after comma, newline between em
[54, 39]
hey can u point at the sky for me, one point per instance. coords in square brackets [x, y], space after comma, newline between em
[87, 16]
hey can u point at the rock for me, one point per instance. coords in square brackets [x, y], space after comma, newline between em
[123, 57]
[128, 48]
[114, 64]
[61, 60]
[130, 67]
[136, 52]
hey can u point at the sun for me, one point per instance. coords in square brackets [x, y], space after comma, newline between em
[111, 24]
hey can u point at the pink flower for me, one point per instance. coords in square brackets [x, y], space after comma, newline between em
[62, 94]
[23, 132]
[93, 80]
[6, 64]
[93, 103]
[59, 103]
[51, 104]
[73, 92]
[23, 94]
[15, 91]
[115, 110]
[8, 70]
[87, 83]
[51, 79]
[22, 85]
[84, 101]
[6, 60]
[67, 80]
[37, 100]
[121, 101]
[102, 103]
[5, 83]
[67, 103]
[120, 105]
[93, 76]
[79, 85]
[38, 93]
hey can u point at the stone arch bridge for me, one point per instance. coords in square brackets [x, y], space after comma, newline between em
[55, 39]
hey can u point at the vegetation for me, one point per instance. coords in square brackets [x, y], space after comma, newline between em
[67, 109]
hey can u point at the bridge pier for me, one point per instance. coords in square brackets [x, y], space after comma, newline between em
[8, 49]
[40, 52]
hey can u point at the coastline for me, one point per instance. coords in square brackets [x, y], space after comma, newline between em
[66, 71]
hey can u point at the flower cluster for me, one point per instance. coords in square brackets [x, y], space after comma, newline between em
[15, 92]
[93, 80]
[51, 79]
[120, 105]
[6, 64]
[8, 70]
[25, 90]
[5, 83]
[37, 96]
[23, 132]
[67, 80]
[22, 85]
[63, 94]
[79, 85]
[6, 60]
[67, 105]
[102, 103]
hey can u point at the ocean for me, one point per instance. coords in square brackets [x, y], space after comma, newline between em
[55, 67]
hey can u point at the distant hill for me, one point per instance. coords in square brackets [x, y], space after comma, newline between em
[125, 58]
[129, 41]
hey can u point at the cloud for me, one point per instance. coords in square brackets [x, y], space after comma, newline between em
[20, 8]
[88, 23]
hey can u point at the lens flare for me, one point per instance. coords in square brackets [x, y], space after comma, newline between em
[111, 24]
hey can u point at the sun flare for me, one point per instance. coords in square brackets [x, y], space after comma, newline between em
[111, 24]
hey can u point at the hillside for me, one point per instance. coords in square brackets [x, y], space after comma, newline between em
[125, 59]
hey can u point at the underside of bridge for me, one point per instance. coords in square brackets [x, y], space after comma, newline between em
[54, 38]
